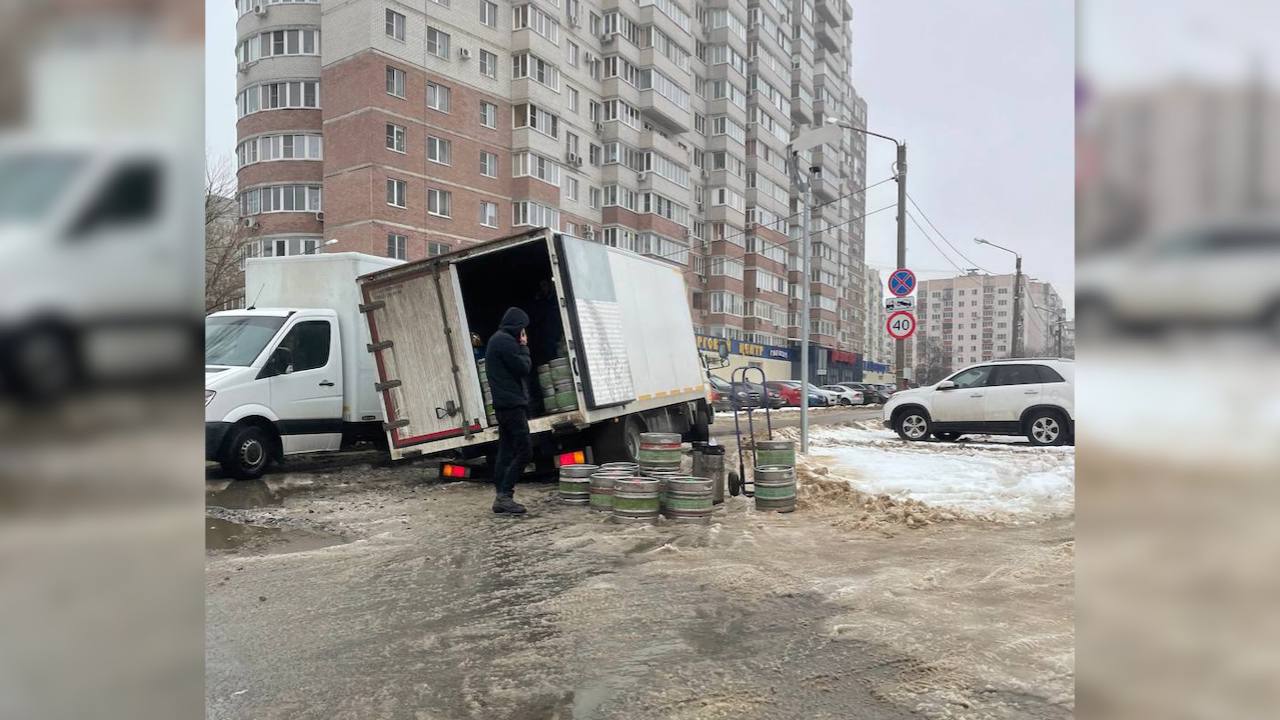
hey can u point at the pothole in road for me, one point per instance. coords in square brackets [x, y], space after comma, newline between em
[225, 536]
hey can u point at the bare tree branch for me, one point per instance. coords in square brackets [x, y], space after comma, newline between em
[223, 238]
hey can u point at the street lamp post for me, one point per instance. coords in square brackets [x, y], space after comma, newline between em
[808, 140]
[1017, 296]
[900, 174]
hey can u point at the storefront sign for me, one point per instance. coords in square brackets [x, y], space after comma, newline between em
[711, 343]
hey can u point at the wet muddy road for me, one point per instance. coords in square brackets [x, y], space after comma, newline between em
[383, 596]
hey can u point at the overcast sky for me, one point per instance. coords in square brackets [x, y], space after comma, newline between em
[983, 93]
[220, 78]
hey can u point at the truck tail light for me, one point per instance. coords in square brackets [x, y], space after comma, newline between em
[575, 457]
[455, 471]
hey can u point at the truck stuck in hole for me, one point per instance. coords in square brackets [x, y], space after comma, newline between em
[346, 347]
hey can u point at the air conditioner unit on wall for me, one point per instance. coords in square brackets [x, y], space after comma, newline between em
[259, 10]
[320, 215]
[464, 53]
[572, 158]
[250, 222]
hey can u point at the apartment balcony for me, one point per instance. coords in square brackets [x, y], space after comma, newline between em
[801, 108]
[828, 37]
[830, 10]
[664, 112]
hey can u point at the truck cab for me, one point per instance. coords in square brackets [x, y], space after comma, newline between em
[293, 375]
[273, 386]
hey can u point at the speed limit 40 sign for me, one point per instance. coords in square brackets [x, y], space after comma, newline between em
[901, 325]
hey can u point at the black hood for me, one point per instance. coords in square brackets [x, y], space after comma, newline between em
[514, 320]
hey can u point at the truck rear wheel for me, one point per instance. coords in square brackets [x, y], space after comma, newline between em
[247, 453]
[618, 441]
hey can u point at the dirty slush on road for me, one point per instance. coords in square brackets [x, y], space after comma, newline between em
[372, 592]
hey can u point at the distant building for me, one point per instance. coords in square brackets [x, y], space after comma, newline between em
[1158, 159]
[969, 319]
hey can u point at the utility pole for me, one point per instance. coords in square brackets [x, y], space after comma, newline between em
[1017, 308]
[1061, 325]
[1016, 347]
[900, 346]
[807, 187]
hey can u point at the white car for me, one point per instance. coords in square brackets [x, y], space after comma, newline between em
[1217, 273]
[844, 395]
[1034, 397]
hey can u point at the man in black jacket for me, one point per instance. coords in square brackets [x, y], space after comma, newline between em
[506, 360]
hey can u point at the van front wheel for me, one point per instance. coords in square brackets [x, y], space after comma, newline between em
[247, 453]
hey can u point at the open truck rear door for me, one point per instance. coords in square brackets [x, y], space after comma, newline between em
[596, 317]
[426, 376]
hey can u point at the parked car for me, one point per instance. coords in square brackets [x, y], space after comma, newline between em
[789, 391]
[845, 395]
[1024, 396]
[870, 393]
[722, 394]
[1175, 278]
[740, 395]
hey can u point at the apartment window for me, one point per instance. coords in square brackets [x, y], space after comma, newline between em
[438, 97]
[437, 43]
[395, 82]
[527, 65]
[395, 138]
[593, 198]
[571, 188]
[396, 245]
[488, 13]
[488, 114]
[439, 202]
[573, 54]
[488, 214]
[395, 29]
[488, 64]
[573, 100]
[488, 164]
[439, 151]
[435, 248]
[397, 190]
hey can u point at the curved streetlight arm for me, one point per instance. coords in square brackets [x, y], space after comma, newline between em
[980, 241]
[864, 131]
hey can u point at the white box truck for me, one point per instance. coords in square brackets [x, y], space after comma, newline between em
[621, 319]
[292, 374]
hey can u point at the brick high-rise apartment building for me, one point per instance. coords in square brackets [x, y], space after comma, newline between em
[414, 128]
[969, 319]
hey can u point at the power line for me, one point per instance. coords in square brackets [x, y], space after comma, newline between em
[935, 245]
[944, 237]
[789, 217]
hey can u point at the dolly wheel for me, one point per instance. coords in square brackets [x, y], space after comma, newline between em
[735, 484]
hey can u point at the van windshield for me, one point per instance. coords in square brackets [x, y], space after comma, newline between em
[238, 340]
[31, 183]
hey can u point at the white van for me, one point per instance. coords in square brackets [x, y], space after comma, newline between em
[293, 374]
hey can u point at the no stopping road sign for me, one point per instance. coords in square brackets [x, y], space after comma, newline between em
[902, 282]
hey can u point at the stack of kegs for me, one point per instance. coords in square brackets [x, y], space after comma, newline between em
[555, 381]
[775, 475]
[487, 393]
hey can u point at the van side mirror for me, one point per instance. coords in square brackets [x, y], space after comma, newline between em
[946, 385]
[280, 363]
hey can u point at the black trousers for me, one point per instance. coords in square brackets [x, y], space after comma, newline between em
[514, 450]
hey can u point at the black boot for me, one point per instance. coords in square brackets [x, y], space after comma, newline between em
[505, 504]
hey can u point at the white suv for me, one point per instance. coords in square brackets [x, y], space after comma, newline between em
[1020, 396]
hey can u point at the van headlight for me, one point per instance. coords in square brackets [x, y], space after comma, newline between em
[208, 397]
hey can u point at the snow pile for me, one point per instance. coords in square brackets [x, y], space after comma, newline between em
[980, 478]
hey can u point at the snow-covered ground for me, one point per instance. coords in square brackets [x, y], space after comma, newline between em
[980, 475]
